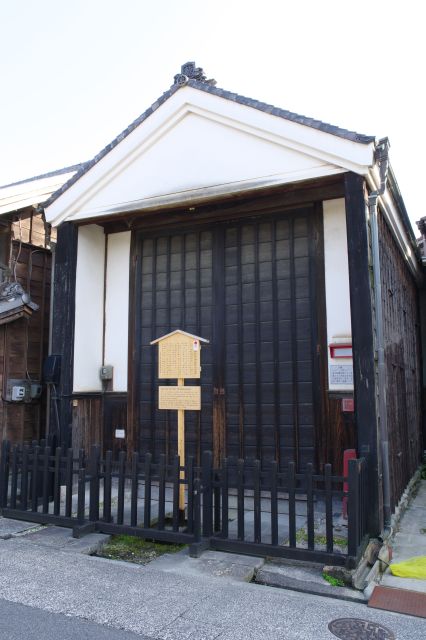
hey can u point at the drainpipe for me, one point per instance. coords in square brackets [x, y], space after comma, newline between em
[382, 158]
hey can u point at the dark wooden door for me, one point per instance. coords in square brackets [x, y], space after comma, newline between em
[249, 288]
[176, 288]
[270, 339]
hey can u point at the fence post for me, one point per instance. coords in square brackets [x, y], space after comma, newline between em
[189, 475]
[81, 498]
[107, 487]
[292, 503]
[225, 499]
[24, 478]
[68, 483]
[46, 479]
[57, 482]
[328, 507]
[147, 492]
[14, 480]
[134, 490]
[257, 506]
[176, 493]
[94, 483]
[353, 507]
[274, 503]
[4, 473]
[34, 478]
[206, 480]
[310, 505]
[197, 510]
[240, 498]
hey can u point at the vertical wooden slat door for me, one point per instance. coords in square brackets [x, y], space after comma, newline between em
[176, 293]
[270, 336]
[248, 287]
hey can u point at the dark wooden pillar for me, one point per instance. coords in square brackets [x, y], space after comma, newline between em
[363, 341]
[60, 427]
[134, 345]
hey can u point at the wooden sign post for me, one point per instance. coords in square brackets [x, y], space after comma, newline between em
[179, 357]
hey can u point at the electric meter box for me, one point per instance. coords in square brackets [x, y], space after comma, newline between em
[105, 372]
[18, 390]
[21, 390]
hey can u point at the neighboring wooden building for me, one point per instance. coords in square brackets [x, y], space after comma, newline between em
[26, 242]
[282, 240]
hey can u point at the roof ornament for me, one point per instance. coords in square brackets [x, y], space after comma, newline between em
[11, 290]
[13, 294]
[189, 71]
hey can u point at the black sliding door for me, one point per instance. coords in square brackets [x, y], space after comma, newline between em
[248, 287]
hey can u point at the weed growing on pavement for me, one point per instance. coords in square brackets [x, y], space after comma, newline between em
[335, 582]
[302, 536]
[132, 549]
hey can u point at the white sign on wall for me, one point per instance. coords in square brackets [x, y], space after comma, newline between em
[341, 374]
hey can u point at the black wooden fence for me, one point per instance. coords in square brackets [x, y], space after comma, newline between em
[239, 507]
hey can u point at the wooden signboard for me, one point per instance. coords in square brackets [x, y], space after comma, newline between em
[181, 398]
[179, 358]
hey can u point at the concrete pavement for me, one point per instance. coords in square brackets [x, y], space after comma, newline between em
[409, 541]
[163, 603]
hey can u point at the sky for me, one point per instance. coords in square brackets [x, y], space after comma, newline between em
[75, 74]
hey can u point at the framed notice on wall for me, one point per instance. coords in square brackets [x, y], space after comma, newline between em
[341, 374]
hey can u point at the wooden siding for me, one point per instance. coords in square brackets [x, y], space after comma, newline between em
[31, 228]
[87, 420]
[401, 326]
[115, 417]
[95, 417]
[24, 343]
[341, 432]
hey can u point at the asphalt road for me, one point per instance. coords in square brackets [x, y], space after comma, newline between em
[18, 622]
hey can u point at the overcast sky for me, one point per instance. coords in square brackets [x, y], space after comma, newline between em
[74, 74]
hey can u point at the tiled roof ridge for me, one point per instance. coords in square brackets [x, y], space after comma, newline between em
[282, 113]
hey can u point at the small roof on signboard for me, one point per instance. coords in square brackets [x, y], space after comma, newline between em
[182, 333]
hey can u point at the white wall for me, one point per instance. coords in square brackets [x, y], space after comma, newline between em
[198, 153]
[339, 328]
[117, 307]
[89, 308]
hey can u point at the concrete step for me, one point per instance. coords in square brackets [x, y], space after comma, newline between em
[306, 579]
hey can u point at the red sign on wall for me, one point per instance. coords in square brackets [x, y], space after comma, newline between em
[341, 350]
[348, 405]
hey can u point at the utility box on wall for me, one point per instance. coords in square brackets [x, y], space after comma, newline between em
[21, 390]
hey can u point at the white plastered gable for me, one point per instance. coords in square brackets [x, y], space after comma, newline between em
[196, 146]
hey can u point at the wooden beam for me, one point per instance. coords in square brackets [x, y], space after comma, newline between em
[363, 341]
[268, 200]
